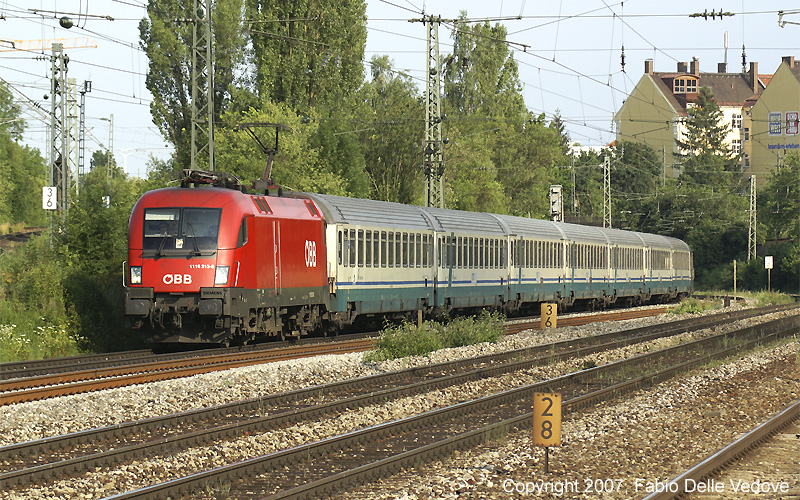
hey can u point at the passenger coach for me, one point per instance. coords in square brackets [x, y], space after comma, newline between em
[388, 257]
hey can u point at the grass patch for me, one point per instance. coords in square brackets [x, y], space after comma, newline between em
[764, 298]
[693, 306]
[407, 339]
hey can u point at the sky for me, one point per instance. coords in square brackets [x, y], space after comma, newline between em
[569, 55]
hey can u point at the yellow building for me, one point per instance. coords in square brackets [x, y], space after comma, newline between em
[774, 122]
[655, 112]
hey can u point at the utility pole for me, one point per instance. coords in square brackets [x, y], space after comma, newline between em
[59, 175]
[202, 73]
[87, 87]
[432, 145]
[751, 235]
[607, 191]
[73, 133]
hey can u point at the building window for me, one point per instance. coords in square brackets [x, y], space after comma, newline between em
[685, 85]
[736, 122]
[736, 146]
[746, 134]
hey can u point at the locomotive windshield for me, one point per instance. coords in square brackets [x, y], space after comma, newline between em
[171, 231]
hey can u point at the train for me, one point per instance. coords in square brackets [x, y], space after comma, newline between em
[212, 261]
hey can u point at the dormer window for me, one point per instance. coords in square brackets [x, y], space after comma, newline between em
[685, 86]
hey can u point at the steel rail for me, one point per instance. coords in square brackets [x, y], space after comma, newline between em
[321, 487]
[17, 391]
[433, 375]
[236, 428]
[639, 334]
[33, 368]
[735, 450]
[356, 439]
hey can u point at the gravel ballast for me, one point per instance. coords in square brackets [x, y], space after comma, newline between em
[478, 473]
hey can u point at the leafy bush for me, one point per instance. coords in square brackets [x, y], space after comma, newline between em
[488, 327]
[407, 339]
[32, 291]
[693, 306]
[41, 342]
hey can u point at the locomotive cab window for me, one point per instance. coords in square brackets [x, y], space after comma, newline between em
[181, 230]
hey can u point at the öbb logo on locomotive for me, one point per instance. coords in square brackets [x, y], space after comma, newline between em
[311, 253]
[177, 279]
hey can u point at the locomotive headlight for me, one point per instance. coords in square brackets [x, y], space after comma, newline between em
[136, 275]
[221, 275]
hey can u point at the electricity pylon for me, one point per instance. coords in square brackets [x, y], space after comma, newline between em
[202, 74]
[433, 150]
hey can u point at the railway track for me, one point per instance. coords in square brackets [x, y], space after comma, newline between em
[46, 386]
[38, 460]
[319, 468]
[711, 477]
[30, 381]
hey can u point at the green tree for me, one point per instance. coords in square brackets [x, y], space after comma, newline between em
[390, 123]
[705, 157]
[779, 218]
[22, 169]
[168, 45]
[92, 248]
[481, 76]
[560, 127]
[634, 177]
[297, 164]
[307, 51]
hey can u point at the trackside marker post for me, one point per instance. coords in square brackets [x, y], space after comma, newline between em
[549, 315]
[547, 423]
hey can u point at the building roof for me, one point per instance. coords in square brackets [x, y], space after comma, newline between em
[729, 89]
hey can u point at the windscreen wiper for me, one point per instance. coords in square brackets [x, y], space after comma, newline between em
[194, 239]
[161, 245]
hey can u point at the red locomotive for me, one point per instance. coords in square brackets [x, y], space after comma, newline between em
[209, 263]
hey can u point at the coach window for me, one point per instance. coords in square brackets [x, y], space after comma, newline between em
[530, 258]
[418, 250]
[383, 248]
[360, 248]
[414, 243]
[398, 250]
[368, 248]
[405, 250]
[339, 246]
[376, 248]
[426, 250]
[390, 250]
[351, 247]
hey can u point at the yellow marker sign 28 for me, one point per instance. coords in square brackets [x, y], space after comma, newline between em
[546, 419]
